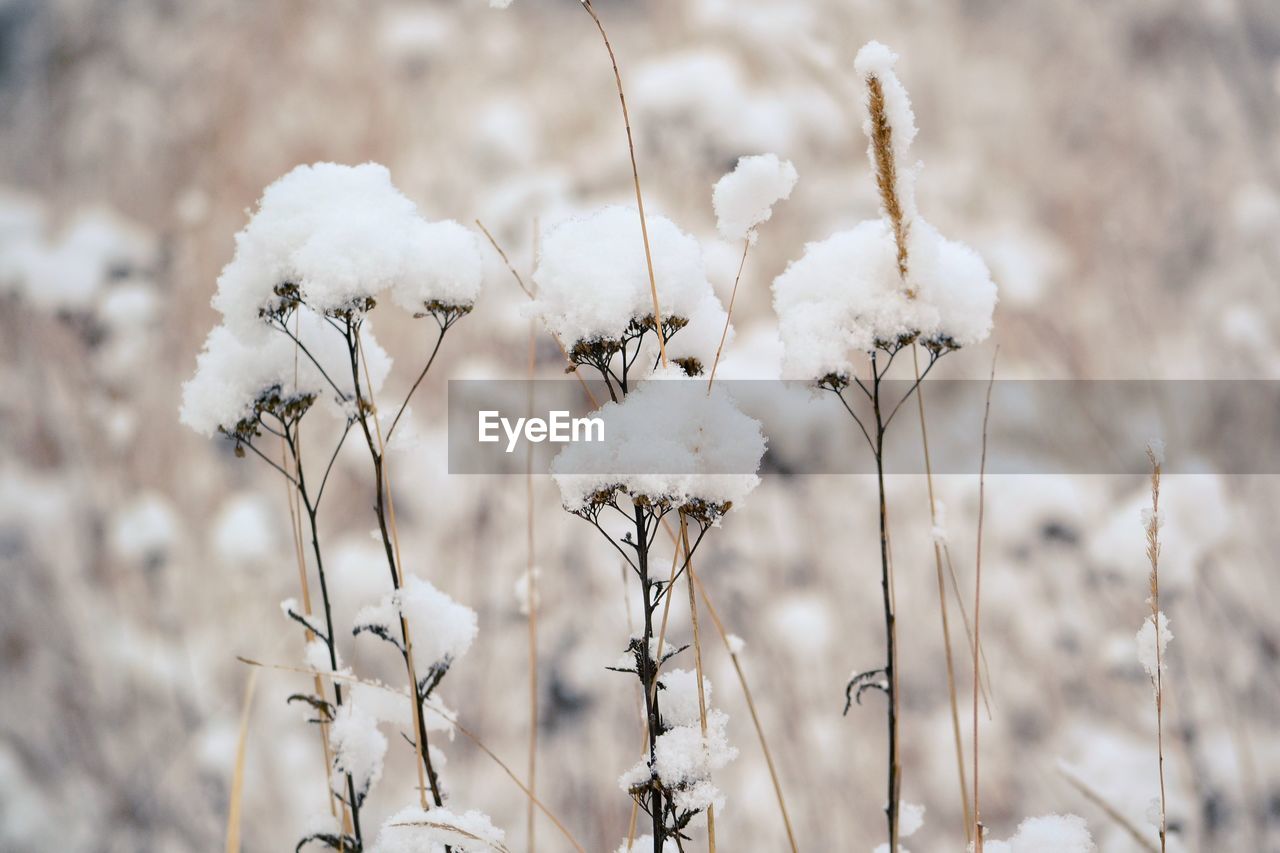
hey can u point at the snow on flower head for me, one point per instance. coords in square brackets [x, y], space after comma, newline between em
[440, 628]
[889, 280]
[445, 269]
[236, 381]
[414, 830]
[744, 198]
[593, 280]
[667, 442]
[340, 235]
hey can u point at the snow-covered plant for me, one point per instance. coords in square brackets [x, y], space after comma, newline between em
[613, 330]
[326, 243]
[674, 450]
[1154, 635]
[611, 285]
[874, 291]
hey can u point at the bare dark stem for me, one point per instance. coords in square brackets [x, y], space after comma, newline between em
[365, 410]
[894, 781]
[418, 381]
[647, 669]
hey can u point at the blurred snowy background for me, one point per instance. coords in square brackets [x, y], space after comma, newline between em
[1117, 164]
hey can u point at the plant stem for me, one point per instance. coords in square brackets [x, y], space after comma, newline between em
[977, 608]
[697, 666]
[942, 607]
[894, 781]
[635, 175]
[648, 671]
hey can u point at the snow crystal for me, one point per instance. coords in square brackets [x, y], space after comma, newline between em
[667, 440]
[1155, 813]
[1052, 834]
[736, 644]
[499, 4]
[316, 656]
[342, 234]
[1156, 448]
[744, 198]
[679, 697]
[593, 280]
[910, 818]
[1146, 640]
[358, 748]
[446, 268]
[521, 590]
[440, 628]
[413, 830]
[233, 375]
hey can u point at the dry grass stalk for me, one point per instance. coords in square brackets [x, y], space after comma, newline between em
[887, 171]
[977, 607]
[635, 175]
[733, 295]
[531, 603]
[1153, 557]
[564, 351]
[697, 666]
[942, 611]
[755, 717]
[1109, 810]
[236, 804]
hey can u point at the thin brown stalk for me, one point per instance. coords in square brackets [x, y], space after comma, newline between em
[697, 666]
[493, 242]
[448, 827]
[237, 778]
[977, 606]
[968, 628]
[733, 295]
[887, 171]
[755, 717]
[1153, 556]
[572, 368]
[531, 602]
[635, 176]
[1101, 802]
[942, 608]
